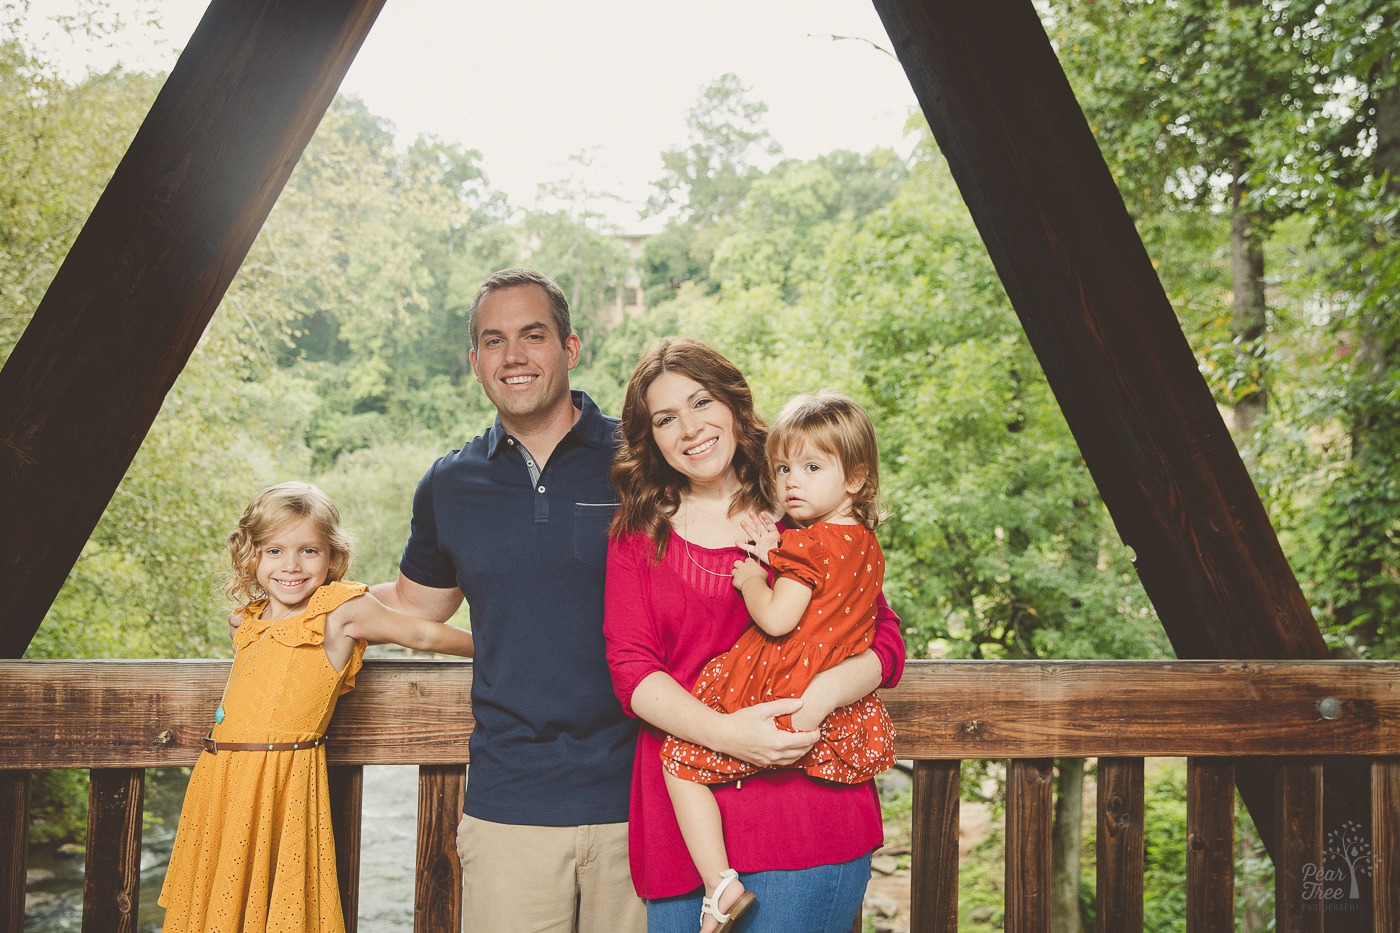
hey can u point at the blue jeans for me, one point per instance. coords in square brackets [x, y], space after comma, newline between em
[824, 899]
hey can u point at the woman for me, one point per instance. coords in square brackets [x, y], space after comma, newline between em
[690, 470]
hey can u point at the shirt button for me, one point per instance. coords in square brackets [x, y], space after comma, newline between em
[541, 489]
[510, 441]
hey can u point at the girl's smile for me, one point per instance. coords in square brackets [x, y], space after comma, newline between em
[293, 562]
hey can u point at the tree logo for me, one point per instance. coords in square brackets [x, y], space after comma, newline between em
[1346, 859]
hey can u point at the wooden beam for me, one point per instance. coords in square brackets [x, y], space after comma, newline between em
[1081, 282]
[1084, 288]
[133, 296]
[152, 714]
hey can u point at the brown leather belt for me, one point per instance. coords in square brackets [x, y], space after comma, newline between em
[213, 747]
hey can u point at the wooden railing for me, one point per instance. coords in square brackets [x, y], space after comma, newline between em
[118, 718]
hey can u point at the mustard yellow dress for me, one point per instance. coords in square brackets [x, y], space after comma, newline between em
[254, 850]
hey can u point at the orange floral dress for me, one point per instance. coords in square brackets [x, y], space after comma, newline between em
[845, 568]
[254, 850]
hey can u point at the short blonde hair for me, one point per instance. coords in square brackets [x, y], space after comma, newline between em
[836, 425]
[273, 508]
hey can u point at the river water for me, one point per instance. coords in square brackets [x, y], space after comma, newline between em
[388, 831]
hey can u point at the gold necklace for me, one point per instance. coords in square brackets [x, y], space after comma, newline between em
[685, 539]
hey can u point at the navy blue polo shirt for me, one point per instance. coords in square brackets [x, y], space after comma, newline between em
[552, 746]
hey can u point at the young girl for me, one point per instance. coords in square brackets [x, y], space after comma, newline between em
[819, 611]
[254, 850]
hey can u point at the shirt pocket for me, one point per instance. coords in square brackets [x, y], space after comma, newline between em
[591, 521]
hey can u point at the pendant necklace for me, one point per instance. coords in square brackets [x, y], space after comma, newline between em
[685, 539]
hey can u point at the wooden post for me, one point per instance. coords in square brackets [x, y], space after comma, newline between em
[437, 888]
[1029, 814]
[1299, 904]
[347, 785]
[1385, 842]
[933, 881]
[14, 848]
[1210, 845]
[112, 876]
[133, 296]
[1119, 864]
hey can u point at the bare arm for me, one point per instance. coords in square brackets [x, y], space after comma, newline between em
[371, 620]
[776, 610]
[748, 734]
[837, 686]
[415, 599]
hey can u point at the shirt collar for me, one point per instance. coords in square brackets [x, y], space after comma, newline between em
[591, 428]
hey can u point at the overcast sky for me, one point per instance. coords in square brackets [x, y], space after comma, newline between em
[530, 83]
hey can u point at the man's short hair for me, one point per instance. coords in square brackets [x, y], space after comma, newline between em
[513, 278]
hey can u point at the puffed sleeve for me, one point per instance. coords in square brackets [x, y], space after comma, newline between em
[634, 649]
[800, 556]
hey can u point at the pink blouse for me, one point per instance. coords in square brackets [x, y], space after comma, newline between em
[673, 617]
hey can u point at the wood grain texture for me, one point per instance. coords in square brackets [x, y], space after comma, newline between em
[14, 848]
[1119, 862]
[112, 876]
[153, 714]
[437, 892]
[141, 281]
[1298, 802]
[86, 714]
[1210, 845]
[1106, 335]
[1029, 810]
[347, 798]
[1385, 842]
[933, 882]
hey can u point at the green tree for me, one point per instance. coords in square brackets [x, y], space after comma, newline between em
[1196, 105]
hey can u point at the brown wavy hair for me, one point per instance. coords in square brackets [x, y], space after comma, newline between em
[273, 508]
[649, 489]
[837, 426]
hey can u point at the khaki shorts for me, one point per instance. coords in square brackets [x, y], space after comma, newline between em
[547, 879]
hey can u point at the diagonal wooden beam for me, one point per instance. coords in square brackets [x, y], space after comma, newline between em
[143, 278]
[1081, 282]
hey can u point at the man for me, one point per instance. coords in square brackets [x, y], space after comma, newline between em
[516, 522]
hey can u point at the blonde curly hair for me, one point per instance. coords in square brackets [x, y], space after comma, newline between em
[274, 508]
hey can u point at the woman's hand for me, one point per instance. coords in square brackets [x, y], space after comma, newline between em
[751, 734]
[761, 535]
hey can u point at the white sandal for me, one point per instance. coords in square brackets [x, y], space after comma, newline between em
[710, 905]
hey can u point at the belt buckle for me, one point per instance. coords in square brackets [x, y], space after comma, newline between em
[210, 745]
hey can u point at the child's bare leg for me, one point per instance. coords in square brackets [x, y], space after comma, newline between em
[703, 831]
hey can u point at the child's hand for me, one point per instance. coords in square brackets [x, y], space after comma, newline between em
[746, 570]
[762, 535]
[235, 619]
